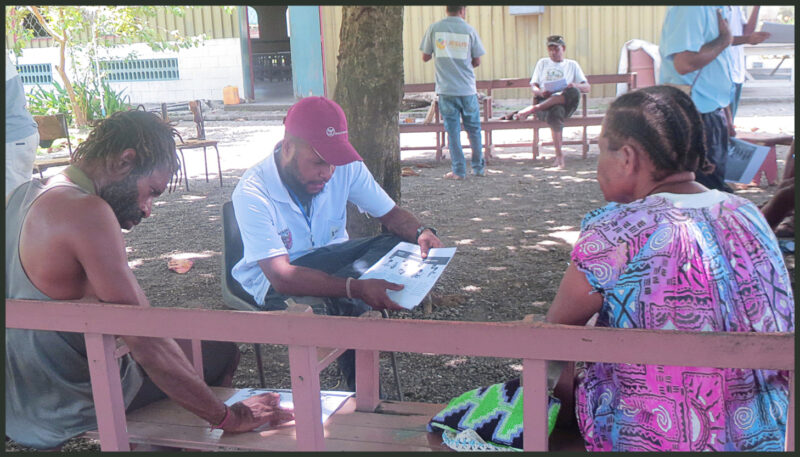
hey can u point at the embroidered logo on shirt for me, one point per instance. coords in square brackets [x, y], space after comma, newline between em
[286, 237]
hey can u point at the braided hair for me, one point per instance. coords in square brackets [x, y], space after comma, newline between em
[665, 121]
[145, 132]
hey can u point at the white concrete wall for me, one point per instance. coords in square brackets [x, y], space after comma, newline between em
[204, 71]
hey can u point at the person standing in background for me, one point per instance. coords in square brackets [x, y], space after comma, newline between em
[743, 33]
[458, 49]
[22, 132]
[695, 56]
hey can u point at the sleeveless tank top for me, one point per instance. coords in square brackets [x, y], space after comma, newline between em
[48, 392]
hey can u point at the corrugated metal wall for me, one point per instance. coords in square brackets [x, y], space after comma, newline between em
[211, 20]
[594, 37]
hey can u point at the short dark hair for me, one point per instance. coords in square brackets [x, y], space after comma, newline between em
[453, 9]
[665, 121]
[143, 131]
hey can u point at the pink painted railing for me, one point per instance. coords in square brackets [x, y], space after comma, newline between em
[304, 333]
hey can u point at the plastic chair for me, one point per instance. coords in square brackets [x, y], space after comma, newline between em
[233, 294]
[236, 297]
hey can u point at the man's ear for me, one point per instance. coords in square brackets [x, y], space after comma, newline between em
[122, 164]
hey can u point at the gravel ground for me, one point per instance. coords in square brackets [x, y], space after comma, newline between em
[513, 230]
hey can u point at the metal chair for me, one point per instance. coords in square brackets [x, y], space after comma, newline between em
[236, 297]
[200, 141]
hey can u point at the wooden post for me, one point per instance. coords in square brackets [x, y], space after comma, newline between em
[367, 380]
[194, 352]
[107, 392]
[790, 416]
[535, 403]
[306, 396]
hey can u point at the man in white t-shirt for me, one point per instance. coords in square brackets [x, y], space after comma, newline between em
[557, 84]
[743, 33]
[292, 211]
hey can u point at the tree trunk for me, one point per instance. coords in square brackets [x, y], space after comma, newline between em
[370, 90]
[78, 112]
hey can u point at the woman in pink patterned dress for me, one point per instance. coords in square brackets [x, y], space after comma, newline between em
[667, 253]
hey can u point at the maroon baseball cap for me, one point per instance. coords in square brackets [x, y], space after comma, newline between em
[321, 123]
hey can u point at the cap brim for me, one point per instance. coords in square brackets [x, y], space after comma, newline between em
[337, 153]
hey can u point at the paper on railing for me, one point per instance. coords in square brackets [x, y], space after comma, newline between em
[404, 265]
[744, 160]
[331, 399]
[555, 86]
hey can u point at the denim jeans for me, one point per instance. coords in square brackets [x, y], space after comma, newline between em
[351, 258]
[454, 108]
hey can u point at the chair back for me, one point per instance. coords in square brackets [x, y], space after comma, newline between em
[233, 293]
[53, 127]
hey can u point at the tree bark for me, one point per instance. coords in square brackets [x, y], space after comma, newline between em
[370, 90]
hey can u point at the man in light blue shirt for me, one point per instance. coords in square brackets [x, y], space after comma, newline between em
[695, 52]
[457, 48]
[292, 212]
[22, 132]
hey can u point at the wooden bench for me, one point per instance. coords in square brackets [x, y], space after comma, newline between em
[366, 423]
[433, 121]
[489, 125]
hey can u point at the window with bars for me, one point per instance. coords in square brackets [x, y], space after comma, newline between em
[140, 70]
[35, 73]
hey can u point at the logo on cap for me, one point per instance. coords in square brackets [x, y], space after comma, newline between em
[330, 131]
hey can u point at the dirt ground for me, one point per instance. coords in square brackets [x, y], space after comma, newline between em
[513, 230]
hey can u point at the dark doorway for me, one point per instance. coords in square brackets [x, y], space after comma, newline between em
[271, 51]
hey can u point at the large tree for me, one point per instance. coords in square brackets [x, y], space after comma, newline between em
[370, 89]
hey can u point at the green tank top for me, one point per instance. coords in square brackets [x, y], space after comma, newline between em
[48, 393]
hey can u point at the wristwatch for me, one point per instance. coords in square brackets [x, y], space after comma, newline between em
[423, 228]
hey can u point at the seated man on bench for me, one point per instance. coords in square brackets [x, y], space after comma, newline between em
[554, 107]
[64, 242]
[292, 211]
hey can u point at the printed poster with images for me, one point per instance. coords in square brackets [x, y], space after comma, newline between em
[744, 160]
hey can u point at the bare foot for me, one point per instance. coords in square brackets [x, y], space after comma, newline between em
[451, 175]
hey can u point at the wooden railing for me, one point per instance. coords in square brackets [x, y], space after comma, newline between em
[304, 333]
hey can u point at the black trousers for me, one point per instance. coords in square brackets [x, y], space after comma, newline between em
[219, 361]
[555, 115]
[349, 259]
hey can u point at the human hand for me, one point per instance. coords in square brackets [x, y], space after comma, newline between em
[426, 241]
[373, 292]
[256, 411]
[724, 31]
[758, 37]
[545, 94]
[571, 85]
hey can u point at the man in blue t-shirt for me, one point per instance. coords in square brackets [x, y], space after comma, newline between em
[695, 52]
[458, 49]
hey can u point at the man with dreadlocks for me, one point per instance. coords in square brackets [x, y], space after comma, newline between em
[63, 242]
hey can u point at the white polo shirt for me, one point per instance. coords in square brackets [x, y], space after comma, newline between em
[272, 224]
